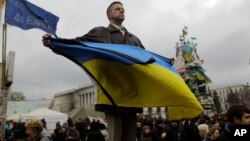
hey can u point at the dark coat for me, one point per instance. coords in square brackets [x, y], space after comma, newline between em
[95, 135]
[157, 132]
[146, 137]
[112, 35]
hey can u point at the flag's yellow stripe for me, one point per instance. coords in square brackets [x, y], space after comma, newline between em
[148, 85]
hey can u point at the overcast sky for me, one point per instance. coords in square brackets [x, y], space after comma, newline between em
[222, 29]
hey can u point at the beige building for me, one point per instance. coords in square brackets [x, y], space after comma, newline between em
[86, 96]
[155, 111]
[83, 96]
[224, 91]
[75, 98]
[63, 101]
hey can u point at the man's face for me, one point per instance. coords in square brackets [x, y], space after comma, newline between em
[245, 119]
[117, 13]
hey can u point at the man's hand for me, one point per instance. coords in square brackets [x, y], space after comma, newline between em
[46, 40]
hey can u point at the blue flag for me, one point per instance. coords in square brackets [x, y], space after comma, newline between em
[26, 15]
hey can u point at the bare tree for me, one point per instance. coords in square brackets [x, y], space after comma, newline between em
[232, 97]
[244, 95]
[217, 103]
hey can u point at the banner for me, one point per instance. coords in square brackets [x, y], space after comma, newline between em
[26, 15]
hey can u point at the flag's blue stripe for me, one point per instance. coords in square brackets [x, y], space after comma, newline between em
[86, 51]
[83, 53]
[137, 54]
[163, 61]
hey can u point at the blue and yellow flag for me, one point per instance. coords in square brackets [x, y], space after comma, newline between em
[129, 76]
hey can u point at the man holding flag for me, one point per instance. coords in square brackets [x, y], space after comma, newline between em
[128, 76]
[122, 120]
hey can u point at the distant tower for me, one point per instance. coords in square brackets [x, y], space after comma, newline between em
[189, 65]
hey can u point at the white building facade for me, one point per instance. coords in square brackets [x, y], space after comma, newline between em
[87, 95]
[75, 98]
[224, 91]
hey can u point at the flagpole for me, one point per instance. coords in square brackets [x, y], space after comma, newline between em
[4, 88]
[4, 39]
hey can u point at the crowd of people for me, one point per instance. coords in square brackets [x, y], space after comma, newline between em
[36, 130]
[202, 128]
[199, 129]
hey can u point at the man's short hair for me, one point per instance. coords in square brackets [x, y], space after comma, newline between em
[236, 111]
[113, 3]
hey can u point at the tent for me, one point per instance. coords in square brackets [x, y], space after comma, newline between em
[51, 117]
[15, 117]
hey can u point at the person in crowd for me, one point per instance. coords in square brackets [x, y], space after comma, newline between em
[138, 130]
[8, 127]
[189, 131]
[146, 134]
[175, 130]
[148, 121]
[85, 131]
[203, 130]
[237, 114]
[18, 133]
[161, 132]
[72, 134]
[95, 133]
[213, 134]
[45, 131]
[34, 129]
[80, 127]
[121, 121]
[61, 135]
[219, 125]
[44, 123]
[56, 131]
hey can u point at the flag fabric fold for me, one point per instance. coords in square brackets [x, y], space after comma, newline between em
[132, 77]
[26, 15]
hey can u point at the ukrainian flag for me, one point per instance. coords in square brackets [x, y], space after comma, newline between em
[129, 76]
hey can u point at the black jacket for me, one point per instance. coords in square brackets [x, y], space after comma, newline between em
[112, 35]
